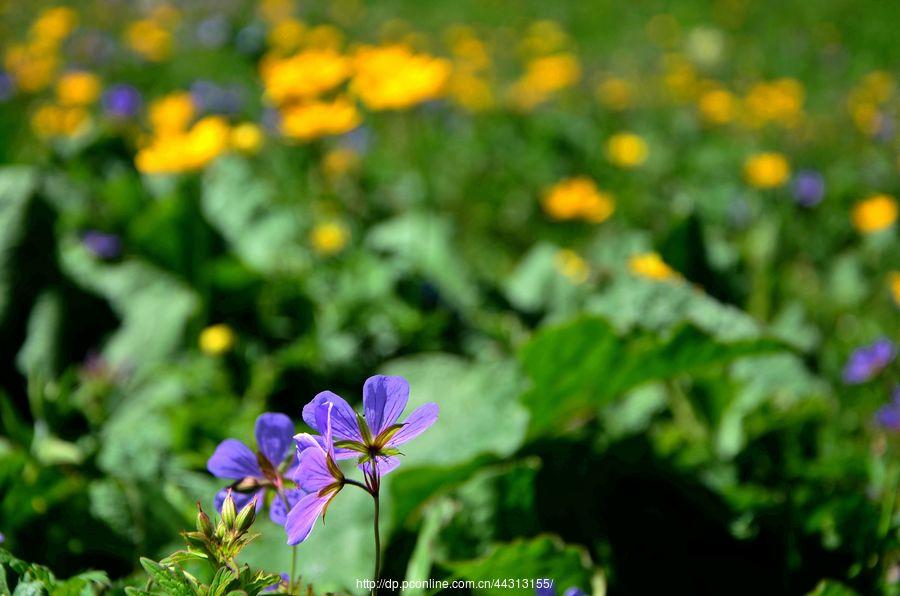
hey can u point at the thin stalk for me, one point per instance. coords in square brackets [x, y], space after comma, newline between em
[377, 546]
[293, 576]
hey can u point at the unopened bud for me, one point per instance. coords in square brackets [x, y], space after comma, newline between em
[246, 516]
[228, 510]
[204, 524]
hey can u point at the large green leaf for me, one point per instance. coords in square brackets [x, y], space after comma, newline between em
[524, 561]
[16, 186]
[242, 206]
[576, 366]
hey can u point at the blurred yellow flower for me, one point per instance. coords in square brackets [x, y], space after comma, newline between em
[626, 150]
[615, 94]
[717, 106]
[150, 39]
[467, 48]
[544, 77]
[316, 119]
[471, 91]
[247, 137]
[32, 69]
[766, 170]
[304, 75]
[650, 265]
[778, 102]
[324, 37]
[51, 120]
[340, 161]
[274, 11]
[578, 198]
[54, 24]
[78, 88]
[866, 99]
[216, 340]
[177, 152]
[874, 214]
[569, 263]
[287, 35]
[171, 113]
[544, 37]
[680, 77]
[329, 238]
[894, 283]
[393, 77]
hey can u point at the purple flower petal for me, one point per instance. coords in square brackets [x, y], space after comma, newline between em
[312, 472]
[240, 498]
[233, 460]
[343, 418]
[866, 362]
[383, 401]
[302, 517]
[384, 465]
[274, 432]
[278, 511]
[415, 424]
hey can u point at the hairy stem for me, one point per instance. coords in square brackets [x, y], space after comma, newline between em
[377, 546]
[293, 577]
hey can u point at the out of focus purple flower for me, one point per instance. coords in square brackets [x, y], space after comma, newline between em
[809, 188]
[101, 244]
[2, 538]
[884, 129]
[888, 417]
[7, 86]
[251, 38]
[213, 32]
[866, 362]
[359, 139]
[551, 591]
[122, 101]
[219, 99]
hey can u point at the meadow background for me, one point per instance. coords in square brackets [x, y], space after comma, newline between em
[643, 255]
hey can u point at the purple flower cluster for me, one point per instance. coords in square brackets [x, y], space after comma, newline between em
[866, 362]
[304, 486]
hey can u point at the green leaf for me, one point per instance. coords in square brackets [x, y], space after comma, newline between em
[829, 587]
[172, 581]
[582, 364]
[17, 183]
[221, 582]
[242, 206]
[37, 357]
[544, 557]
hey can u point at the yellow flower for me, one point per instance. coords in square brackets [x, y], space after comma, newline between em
[467, 49]
[779, 102]
[894, 283]
[329, 238]
[569, 263]
[185, 151]
[766, 170]
[150, 39]
[874, 214]
[287, 35]
[247, 137]
[172, 113]
[304, 75]
[316, 119]
[325, 37]
[578, 198]
[471, 91]
[544, 77]
[54, 121]
[717, 106]
[339, 161]
[54, 24]
[544, 37]
[680, 77]
[216, 340]
[33, 68]
[615, 94]
[626, 150]
[393, 77]
[650, 265]
[78, 88]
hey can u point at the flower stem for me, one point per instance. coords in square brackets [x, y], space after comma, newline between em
[293, 577]
[377, 546]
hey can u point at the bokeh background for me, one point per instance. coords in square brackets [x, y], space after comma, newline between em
[644, 255]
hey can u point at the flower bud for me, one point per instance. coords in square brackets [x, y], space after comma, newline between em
[246, 516]
[204, 524]
[228, 510]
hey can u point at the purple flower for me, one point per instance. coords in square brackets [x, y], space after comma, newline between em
[7, 86]
[122, 101]
[101, 244]
[809, 188]
[551, 591]
[888, 416]
[866, 362]
[213, 32]
[317, 475]
[375, 437]
[254, 473]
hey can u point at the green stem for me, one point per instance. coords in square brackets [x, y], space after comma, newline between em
[377, 546]
[293, 577]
